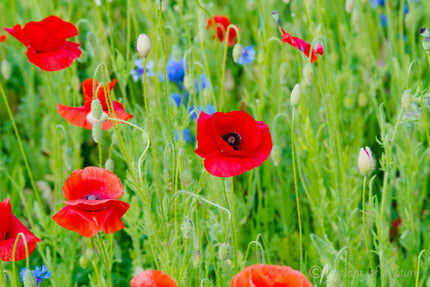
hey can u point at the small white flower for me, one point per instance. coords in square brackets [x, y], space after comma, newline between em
[366, 162]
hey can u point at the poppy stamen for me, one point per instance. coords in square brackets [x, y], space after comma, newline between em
[233, 139]
[92, 197]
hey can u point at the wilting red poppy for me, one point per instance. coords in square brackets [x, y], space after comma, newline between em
[46, 42]
[93, 204]
[270, 276]
[303, 46]
[395, 228]
[153, 278]
[2, 38]
[79, 116]
[221, 23]
[10, 227]
[232, 143]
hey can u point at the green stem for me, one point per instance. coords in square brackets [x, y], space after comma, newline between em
[104, 257]
[369, 254]
[234, 225]
[418, 267]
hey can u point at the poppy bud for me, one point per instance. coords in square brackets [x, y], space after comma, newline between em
[83, 262]
[168, 179]
[275, 17]
[349, 5]
[110, 165]
[296, 96]
[424, 32]
[237, 52]
[69, 158]
[96, 132]
[186, 177]
[224, 252]
[92, 44]
[89, 254]
[308, 73]
[189, 84]
[283, 69]
[276, 155]
[187, 228]
[143, 45]
[366, 162]
[207, 95]
[29, 279]
[426, 44]
[96, 109]
[333, 279]
[320, 49]
[6, 69]
[407, 100]
[197, 258]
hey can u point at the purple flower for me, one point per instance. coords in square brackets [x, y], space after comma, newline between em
[40, 273]
[139, 71]
[186, 136]
[174, 71]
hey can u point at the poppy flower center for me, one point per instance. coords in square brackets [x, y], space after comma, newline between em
[233, 139]
[92, 197]
[7, 233]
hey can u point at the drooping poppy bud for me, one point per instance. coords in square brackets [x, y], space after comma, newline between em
[29, 278]
[237, 52]
[407, 100]
[187, 228]
[6, 69]
[197, 258]
[333, 279]
[190, 84]
[308, 73]
[224, 252]
[110, 165]
[186, 178]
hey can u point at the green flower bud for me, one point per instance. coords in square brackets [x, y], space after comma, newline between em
[187, 228]
[428, 282]
[308, 73]
[83, 262]
[6, 69]
[362, 99]
[29, 279]
[333, 279]
[260, 57]
[110, 165]
[424, 32]
[224, 252]
[69, 158]
[89, 254]
[96, 109]
[197, 258]
[189, 84]
[96, 132]
[426, 44]
[276, 155]
[407, 100]
[143, 45]
[237, 52]
[186, 178]
[296, 96]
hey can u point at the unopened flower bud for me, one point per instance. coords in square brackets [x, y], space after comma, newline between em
[110, 165]
[424, 32]
[260, 57]
[224, 252]
[197, 258]
[426, 44]
[83, 262]
[89, 253]
[308, 73]
[6, 69]
[237, 52]
[186, 177]
[275, 17]
[69, 158]
[29, 279]
[407, 100]
[349, 5]
[276, 155]
[296, 96]
[333, 279]
[96, 132]
[96, 109]
[366, 162]
[320, 49]
[187, 228]
[189, 84]
[143, 45]
[176, 53]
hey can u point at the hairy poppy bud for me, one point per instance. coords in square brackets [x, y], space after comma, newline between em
[96, 132]
[69, 158]
[29, 279]
[83, 262]
[187, 228]
[143, 45]
[96, 109]
[308, 73]
[276, 155]
[333, 279]
[366, 162]
[6, 69]
[283, 69]
[320, 49]
[407, 100]
[349, 5]
[197, 258]
[237, 52]
[110, 165]
[224, 252]
[92, 44]
[296, 96]
[186, 177]
[168, 179]
[89, 254]
[190, 84]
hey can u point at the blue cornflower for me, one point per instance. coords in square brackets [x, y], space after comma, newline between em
[248, 56]
[384, 20]
[138, 72]
[40, 273]
[193, 111]
[406, 7]
[175, 71]
[209, 109]
[177, 99]
[186, 136]
[376, 3]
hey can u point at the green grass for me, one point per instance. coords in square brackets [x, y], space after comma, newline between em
[353, 101]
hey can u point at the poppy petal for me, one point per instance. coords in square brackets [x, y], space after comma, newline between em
[109, 219]
[151, 278]
[77, 220]
[120, 113]
[18, 33]
[5, 213]
[75, 116]
[206, 137]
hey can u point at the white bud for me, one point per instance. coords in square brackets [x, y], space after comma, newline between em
[349, 5]
[143, 45]
[237, 52]
[407, 100]
[366, 162]
[296, 96]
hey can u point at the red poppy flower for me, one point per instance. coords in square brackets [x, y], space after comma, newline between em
[232, 143]
[153, 278]
[10, 227]
[302, 45]
[46, 42]
[2, 38]
[221, 23]
[93, 203]
[79, 116]
[269, 276]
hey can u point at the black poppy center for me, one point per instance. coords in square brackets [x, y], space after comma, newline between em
[7, 233]
[233, 139]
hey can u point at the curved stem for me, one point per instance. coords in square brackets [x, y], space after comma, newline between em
[418, 267]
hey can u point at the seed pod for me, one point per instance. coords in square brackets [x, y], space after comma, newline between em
[89, 254]
[96, 109]
[333, 279]
[6, 69]
[276, 155]
[308, 73]
[197, 258]
[143, 45]
[187, 228]
[69, 158]
[407, 100]
[83, 262]
[224, 252]
[110, 165]
[296, 96]
[96, 132]
[189, 84]
[186, 178]
[29, 279]
[237, 52]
